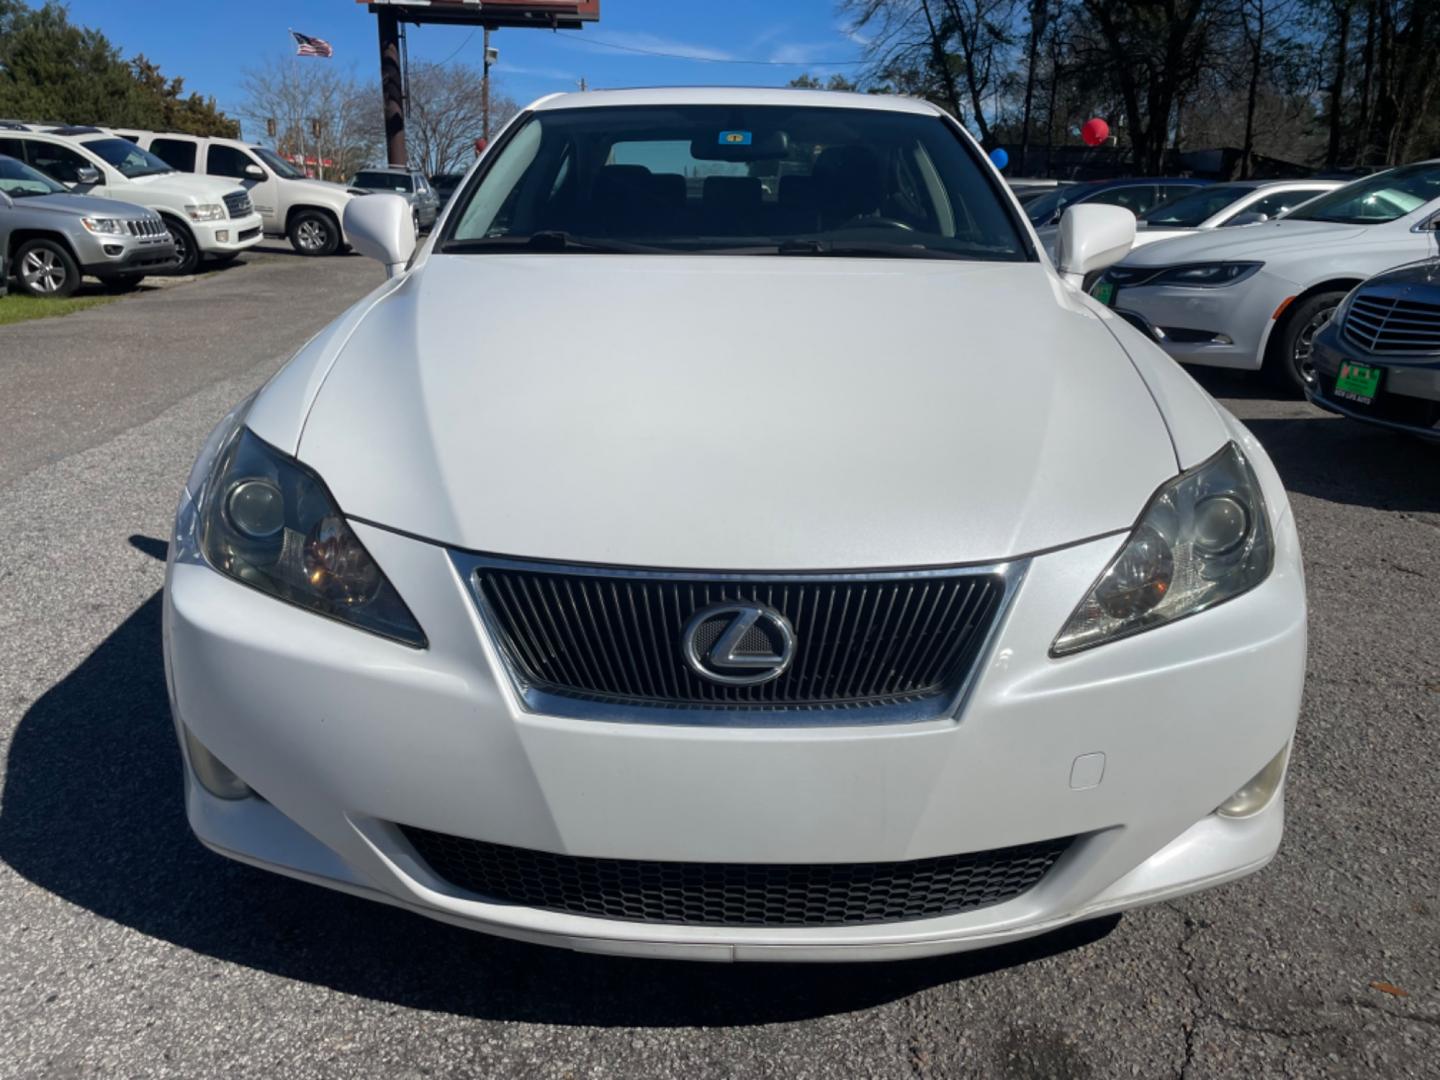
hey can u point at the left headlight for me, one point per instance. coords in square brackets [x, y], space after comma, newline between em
[206, 212]
[1206, 275]
[267, 521]
[107, 225]
[1204, 538]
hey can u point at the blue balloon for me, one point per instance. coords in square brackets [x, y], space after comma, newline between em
[999, 157]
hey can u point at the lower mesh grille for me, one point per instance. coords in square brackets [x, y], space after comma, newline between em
[737, 894]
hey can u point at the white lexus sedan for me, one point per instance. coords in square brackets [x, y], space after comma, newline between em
[728, 538]
[1253, 298]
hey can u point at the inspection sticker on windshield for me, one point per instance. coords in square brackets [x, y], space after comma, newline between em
[1104, 291]
[735, 138]
[1357, 382]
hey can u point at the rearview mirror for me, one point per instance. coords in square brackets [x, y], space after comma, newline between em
[1091, 238]
[254, 172]
[87, 174]
[382, 227]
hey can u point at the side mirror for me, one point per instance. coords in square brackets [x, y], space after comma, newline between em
[382, 227]
[1250, 217]
[87, 174]
[1091, 238]
[254, 172]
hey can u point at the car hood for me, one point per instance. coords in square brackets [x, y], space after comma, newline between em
[1265, 239]
[737, 412]
[326, 189]
[187, 185]
[80, 205]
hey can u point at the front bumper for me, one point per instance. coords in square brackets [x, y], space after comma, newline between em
[345, 735]
[1409, 397]
[238, 234]
[1242, 313]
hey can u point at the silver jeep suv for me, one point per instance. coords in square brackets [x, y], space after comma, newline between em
[49, 237]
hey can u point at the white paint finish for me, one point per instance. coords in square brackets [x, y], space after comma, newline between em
[350, 732]
[1086, 771]
[383, 228]
[1297, 255]
[737, 412]
[735, 95]
[1092, 237]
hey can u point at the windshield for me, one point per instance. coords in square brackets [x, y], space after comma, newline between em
[1376, 199]
[1189, 211]
[20, 181]
[737, 180]
[383, 181]
[1043, 210]
[278, 165]
[127, 158]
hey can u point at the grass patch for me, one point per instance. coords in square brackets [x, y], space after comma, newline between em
[17, 308]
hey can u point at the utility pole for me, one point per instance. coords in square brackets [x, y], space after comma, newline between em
[392, 85]
[485, 90]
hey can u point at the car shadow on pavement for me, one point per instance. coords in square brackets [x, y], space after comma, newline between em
[91, 811]
[1341, 460]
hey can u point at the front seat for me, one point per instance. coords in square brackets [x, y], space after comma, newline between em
[848, 184]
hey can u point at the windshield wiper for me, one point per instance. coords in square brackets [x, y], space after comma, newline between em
[874, 249]
[549, 240]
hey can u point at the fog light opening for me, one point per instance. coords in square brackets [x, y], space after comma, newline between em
[1259, 790]
[214, 776]
[222, 235]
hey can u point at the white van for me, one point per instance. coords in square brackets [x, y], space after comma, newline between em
[208, 218]
[308, 212]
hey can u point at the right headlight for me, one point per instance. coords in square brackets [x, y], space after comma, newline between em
[1204, 538]
[267, 521]
[206, 212]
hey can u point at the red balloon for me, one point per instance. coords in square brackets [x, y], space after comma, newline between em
[1095, 132]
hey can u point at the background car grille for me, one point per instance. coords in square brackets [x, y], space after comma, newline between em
[859, 641]
[737, 894]
[1392, 324]
[145, 227]
[237, 204]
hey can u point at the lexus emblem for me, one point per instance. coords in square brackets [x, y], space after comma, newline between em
[739, 644]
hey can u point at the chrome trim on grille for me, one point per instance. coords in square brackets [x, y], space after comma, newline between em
[1380, 321]
[238, 204]
[542, 701]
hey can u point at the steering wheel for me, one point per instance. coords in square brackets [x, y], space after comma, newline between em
[865, 221]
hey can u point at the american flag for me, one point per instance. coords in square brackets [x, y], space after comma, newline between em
[311, 46]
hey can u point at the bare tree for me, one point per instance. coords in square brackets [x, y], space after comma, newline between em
[319, 112]
[445, 116]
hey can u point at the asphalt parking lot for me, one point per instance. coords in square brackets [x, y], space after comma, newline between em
[128, 950]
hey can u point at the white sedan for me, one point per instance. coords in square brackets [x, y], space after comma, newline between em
[1215, 206]
[1253, 298]
[670, 563]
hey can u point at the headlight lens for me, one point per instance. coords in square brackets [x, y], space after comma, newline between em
[1206, 275]
[108, 225]
[1204, 538]
[267, 521]
[206, 212]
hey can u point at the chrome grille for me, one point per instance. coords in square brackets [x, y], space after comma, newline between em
[738, 894]
[1393, 324]
[145, 227]
[861, 641]
[237, 204]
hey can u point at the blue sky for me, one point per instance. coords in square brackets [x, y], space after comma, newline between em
[210, 43]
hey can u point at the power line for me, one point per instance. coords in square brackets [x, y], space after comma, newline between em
[460, 46]
[716, 59]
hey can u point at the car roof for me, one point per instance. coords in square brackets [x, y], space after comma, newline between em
[735, 95]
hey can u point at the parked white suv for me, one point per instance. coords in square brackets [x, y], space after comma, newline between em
[208, 219]
[308, 212]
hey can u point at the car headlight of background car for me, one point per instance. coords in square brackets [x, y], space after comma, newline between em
[1204, 538]
[267, 521]
[206, 212]
[1200, 275]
